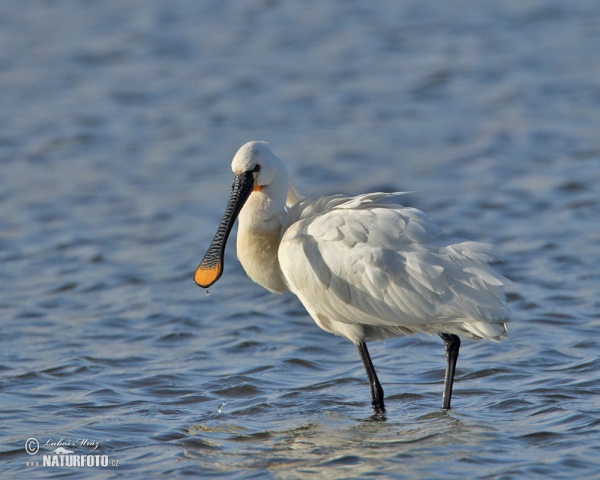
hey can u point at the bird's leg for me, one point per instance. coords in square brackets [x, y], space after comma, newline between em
[376, 390]
[452, 344]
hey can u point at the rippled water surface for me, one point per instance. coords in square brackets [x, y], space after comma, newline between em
[118, 122]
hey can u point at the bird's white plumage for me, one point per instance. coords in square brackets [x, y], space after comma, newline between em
[365, 267]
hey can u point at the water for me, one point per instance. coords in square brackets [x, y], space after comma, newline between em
[118, 121]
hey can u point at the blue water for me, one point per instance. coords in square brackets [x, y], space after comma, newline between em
[118, 122]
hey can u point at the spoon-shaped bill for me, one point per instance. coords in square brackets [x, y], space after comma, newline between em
[211, 266]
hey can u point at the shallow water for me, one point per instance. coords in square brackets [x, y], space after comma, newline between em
[118, 121]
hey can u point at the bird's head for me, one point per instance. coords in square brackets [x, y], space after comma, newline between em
[255, 169]
[257, 157]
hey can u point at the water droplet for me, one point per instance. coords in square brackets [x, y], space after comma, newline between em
[220, 407]
[207, 292]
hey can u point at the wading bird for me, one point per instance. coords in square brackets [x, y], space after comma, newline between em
[364, 267]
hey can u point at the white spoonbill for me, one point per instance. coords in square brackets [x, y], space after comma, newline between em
[365, 267]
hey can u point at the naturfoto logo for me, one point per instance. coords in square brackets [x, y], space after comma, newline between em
[65, 457]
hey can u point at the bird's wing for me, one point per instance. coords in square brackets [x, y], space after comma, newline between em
[306, 208]
[362, 261]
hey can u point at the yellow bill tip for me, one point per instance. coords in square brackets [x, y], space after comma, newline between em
[206, 276]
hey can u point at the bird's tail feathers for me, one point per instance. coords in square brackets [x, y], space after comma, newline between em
[490, 331]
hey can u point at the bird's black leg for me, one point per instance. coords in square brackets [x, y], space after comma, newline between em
[452, 343]
[376, 390]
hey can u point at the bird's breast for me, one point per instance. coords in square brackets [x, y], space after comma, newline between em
[257, 252]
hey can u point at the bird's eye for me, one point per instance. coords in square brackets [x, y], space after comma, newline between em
[256, 168]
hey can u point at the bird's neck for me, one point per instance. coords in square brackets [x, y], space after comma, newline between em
[258, 239]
